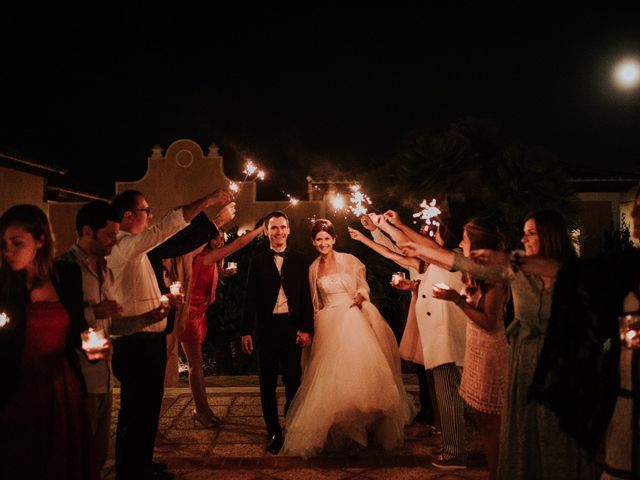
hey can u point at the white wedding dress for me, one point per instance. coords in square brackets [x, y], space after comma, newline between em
[352, 390]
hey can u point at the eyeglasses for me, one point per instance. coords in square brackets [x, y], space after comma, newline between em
[148, 210]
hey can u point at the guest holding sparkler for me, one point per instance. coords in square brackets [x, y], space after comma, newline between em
[207, 270]
[442, 327]
[532, 444]
[43, 414]
[484, 375]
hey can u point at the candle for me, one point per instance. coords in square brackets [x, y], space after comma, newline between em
[442, 286]
[93, 340]
[630, 330]
[176, 288]
[164, 301]
[397, 277]
[4, 319]
[232, 266]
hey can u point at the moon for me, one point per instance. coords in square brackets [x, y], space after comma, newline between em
[627, 74]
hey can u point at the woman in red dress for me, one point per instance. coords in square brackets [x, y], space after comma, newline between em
[44, 431]
[207, 269]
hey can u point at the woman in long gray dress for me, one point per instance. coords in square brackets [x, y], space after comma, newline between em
[532, 444]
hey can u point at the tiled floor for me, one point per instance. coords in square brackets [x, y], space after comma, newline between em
[237, 449]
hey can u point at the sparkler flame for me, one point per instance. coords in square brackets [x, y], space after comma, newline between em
[233, 186]
[428, 213]
[249, 168]
[261, 174]
[359, 200]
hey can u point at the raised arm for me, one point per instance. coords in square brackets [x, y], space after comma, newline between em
[533, 265]
[221, 196]
[240, 242]
[427, 249]
[402, 260]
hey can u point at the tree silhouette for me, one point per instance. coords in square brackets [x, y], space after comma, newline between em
[474, 169]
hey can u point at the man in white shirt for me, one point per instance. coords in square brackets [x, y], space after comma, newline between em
[140, 359]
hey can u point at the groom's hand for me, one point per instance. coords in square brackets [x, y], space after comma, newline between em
[247, 344]
[357, 300]
[303, 339]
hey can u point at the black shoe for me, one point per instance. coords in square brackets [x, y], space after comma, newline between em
[158, 466]
[275, 443]
[159, 475]
[425, 417]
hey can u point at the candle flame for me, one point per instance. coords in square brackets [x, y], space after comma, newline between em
[4, 319]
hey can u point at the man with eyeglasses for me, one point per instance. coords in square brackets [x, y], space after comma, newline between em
[139, 359]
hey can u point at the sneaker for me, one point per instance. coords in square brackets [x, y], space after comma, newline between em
[443, 464]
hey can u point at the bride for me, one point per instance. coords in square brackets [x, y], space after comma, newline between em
[352, 390]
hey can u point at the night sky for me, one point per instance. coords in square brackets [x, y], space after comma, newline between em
[305, 92]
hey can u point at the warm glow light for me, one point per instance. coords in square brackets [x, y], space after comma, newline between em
[4, 319]
[233, 186]
[627, 74]
[261, 175]
[337, 202]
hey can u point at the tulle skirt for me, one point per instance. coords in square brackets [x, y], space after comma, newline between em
[352, 392]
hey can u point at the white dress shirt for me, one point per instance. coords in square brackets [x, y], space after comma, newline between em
[136, 286]
[282, 304]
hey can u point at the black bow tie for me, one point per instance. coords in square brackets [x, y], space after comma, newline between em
[281, 254]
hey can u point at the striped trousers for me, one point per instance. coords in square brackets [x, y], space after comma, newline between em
[446, 379]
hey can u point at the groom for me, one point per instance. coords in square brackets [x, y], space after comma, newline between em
[278, 307]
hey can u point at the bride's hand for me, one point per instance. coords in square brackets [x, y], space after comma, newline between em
[357, 300]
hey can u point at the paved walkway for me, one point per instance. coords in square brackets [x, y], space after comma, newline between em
[237, 449]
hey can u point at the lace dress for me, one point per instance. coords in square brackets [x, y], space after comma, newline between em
[484, 377]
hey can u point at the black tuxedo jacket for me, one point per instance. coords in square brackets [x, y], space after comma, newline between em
[263, 285]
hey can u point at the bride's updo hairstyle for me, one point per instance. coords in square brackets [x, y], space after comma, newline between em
[322, 225]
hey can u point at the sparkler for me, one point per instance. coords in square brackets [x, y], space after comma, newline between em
[428, 213]
[250, 168]
[359, 201]
[292, 201]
